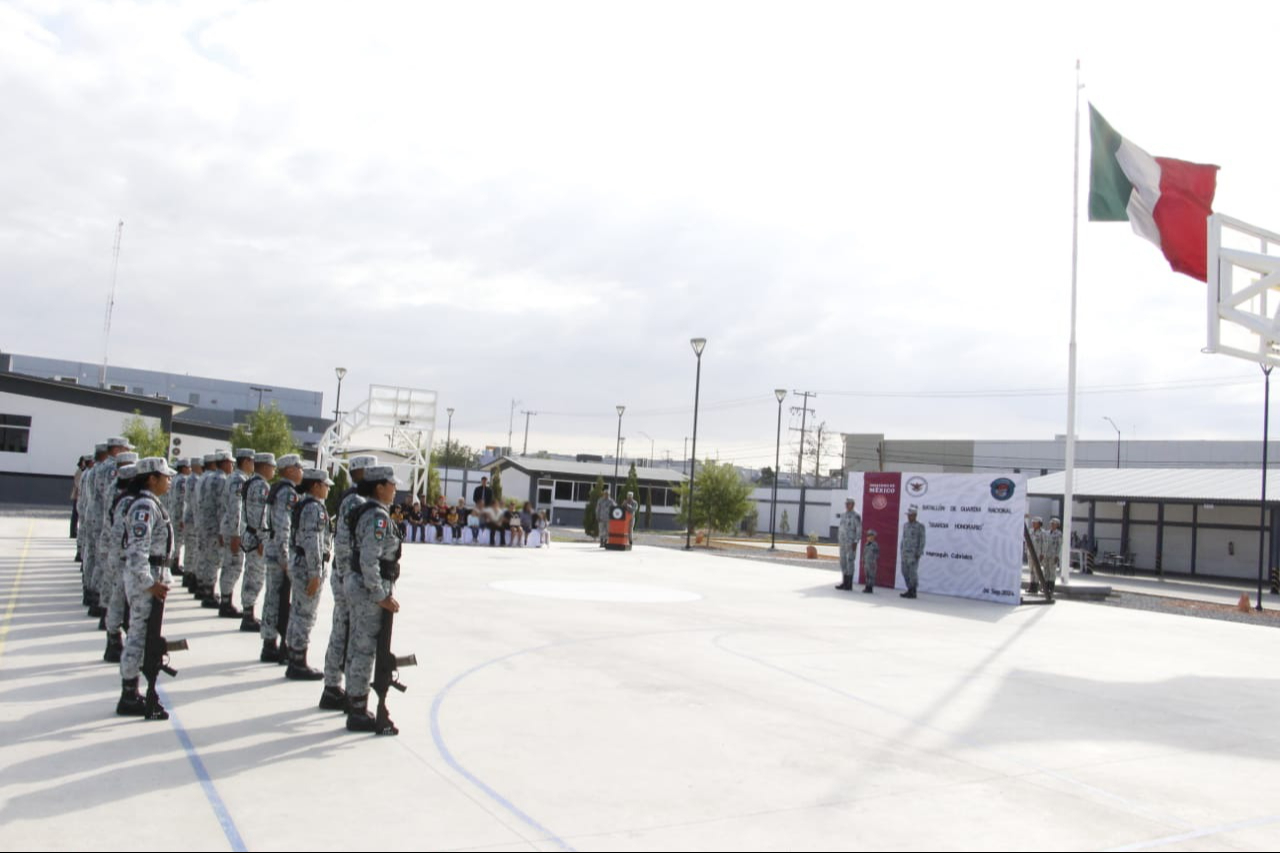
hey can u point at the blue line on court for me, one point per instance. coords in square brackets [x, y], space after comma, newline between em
[467, 774]
[206, 782]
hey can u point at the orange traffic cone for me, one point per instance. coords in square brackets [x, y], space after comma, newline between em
[1243, 604]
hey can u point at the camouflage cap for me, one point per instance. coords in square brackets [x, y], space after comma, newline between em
[849, 499]
[154, 465]
[126, 472]
[126, 458]
[245, 453]
[99, 448]
[316, 475]
[871, 533]
[359, 463]
[210, 458]
[117, 441]
[1035, 519]
[913, 510]
[222, 456]
[381, 473]
[264, 458]
[289, 460]
[1055, 521]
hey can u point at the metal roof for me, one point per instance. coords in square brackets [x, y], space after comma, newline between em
[1190, 485]
[590, 470]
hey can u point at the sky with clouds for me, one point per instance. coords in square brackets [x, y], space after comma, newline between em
[546, 201]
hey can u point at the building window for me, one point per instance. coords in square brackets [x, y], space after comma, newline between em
[119, 388]
[564, 490]
[582, 491]
[14, 431]
[193, 399]
[544, 496]
[137, 389]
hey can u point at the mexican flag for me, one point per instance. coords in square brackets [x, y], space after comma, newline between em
[1165, 200]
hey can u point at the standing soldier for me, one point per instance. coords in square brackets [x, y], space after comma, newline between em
[102, 558]
[310, 548]
[254, 511]
[849, 536]
[1053, 553]
[334, 698]
[912, 551]
[231, 526]
[82, 505]
[112, 591]
[631, 506]
[178, 493]
[603, 504]
[213, 485]
[190, 528]
[370, 586]
[870, 562]
[103, 487]
[148, 548]
[280, 501]
[1039, 542]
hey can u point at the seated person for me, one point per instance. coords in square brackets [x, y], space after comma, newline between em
[516, 525]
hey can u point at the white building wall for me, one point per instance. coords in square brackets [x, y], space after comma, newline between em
[60, 433]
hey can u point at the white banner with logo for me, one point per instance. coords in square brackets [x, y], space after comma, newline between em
[973, 533]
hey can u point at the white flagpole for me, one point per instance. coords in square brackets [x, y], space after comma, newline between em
[1068, 493]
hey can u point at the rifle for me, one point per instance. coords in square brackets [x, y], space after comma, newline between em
[386, 673]
[155, 659]
[282, 610]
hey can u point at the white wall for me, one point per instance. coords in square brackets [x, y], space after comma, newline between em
[60, 433]
[197, 445]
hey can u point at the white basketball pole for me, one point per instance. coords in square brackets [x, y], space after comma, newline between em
[1068, 494]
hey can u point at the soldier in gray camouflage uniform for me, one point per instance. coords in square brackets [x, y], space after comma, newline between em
[212, 487]
[870, 562]
[82, 508]
[1039, 541]
[190, 529]
[251, 541]
[102, 487]
[334, 698]
[178, 503]
[604, 503]
[112, 592]
[102, 549]
[849, 535]
[912, 550]
[148, 548]
[377, 548]
[231, 527]
[281, 498]
[309, 551]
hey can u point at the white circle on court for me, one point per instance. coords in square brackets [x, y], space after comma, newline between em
[596, 591]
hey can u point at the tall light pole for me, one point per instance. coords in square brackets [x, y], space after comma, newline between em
[698, 344]
[1117, 429]
[525, 450]
[616, 452]
[337, 402]
[781, 394]
[260, 391]
[646, 435]
[448, 436]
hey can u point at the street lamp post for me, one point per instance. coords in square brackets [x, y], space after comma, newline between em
[260, 391]
[1117, 429]
[698, 344]
[448, 436]
[616, 452]
[781, 394]
[337, 403]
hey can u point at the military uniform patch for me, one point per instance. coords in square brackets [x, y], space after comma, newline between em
[381, 529]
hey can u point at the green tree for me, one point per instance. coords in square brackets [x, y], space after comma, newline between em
[452, 454]
[785, 524]
[752, 521]
[591, 524]
[433, 484]
[340, 484]
[495, 482]
[266, 431]
[720, 499]
[146, 440]
[633, 483]
[766, 476]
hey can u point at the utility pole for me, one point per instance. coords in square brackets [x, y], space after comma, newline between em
[525, 450]
[804, 412]
[511, 423]
[111, 304]
[817, 457]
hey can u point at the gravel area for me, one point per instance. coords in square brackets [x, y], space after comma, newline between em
[1189, 607]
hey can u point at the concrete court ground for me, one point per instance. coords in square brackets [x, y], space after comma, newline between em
[569, 698]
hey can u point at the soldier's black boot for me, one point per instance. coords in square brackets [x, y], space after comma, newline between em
[115, 646]
[189, 581]
[102, 622]
[84, 598]
[358, 718]
[131, 704]
[868, 589]
[910, 593]
[846, 584]
[210, 599]
[284, 658]
[248, 623]
[228, 610]
[384, 723]
[333, 698]
[1034, 588]
[298, 669]
[270, 652]
[79, 559]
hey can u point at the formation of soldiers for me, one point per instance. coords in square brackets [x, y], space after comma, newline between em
[1048, 545]
[220, 520]
[850, 535]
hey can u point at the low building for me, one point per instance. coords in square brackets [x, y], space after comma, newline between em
[562, 487]
[1198, 521]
